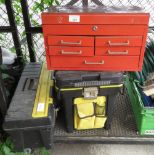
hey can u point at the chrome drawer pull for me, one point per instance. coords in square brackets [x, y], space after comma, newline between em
[64, 52]
[71, 43]
[118, 44]
[94, 63]
[118, 53]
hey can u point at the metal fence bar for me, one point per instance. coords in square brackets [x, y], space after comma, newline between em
[28, 27]
[72, 2]
[35, 29]
[97, 2]
[3, 97]
[13, 29]
[85, 2]
[6, 29]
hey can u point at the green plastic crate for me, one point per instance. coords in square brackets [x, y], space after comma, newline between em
[144, 115]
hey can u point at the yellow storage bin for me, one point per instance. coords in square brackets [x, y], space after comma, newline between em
[89, 114]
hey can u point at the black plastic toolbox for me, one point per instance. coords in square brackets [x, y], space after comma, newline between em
[70, 85]
[24, 130]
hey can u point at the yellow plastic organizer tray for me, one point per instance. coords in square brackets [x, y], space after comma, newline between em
[89, 114]
[43, 98]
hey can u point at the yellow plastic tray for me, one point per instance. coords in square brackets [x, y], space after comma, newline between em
[43, 98]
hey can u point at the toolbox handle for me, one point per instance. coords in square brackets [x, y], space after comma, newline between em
[94, 63]
[119, 44]
[66, 52]
[30, 84]
[118, 53]
[70, 43]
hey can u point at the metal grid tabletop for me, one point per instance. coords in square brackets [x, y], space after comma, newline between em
[123, 128]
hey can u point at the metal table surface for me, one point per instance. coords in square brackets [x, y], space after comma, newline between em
[123, 128]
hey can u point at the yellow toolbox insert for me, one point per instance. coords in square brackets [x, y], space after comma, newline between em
[89, 113]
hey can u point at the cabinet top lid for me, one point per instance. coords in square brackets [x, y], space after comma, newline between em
[95, 9]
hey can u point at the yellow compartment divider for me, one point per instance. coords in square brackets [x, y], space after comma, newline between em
[43, 98]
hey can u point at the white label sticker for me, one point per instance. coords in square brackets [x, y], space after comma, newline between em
[40, 107]
[74, 18]
[149, 132]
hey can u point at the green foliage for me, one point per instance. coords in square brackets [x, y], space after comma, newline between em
[5, 76]
[3, 67]
[37, 7]
[2, 2]
[43, 151]
[18, 11]
[6, 148]
[41, 5]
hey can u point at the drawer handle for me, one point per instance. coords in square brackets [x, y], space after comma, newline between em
[71, 43]
[118, 44]
[65, 52]
[94, 63]
[118, 53]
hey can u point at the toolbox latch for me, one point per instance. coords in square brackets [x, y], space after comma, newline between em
[90, 92]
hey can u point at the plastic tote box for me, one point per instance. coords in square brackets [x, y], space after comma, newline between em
[26, 125]
[144, 115]
[83, 93]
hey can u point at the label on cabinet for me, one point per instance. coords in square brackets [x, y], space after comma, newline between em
[74, 18]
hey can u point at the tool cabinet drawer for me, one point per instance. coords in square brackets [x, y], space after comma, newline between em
[94, 18]
[114, 51]
[71, 51]
[98, 30]
[119, 41]
[126, 63]
[71, 40]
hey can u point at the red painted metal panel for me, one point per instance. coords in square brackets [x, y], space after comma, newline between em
[102, 18]
[119, 63]
[101, 30]
[119, 43]
[113, 41]
[71, 40]
[71, 51]
[115, 51]
[143, 48]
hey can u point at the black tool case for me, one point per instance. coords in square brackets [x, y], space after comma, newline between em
[123, 127]
[24, 130]
[72, 84]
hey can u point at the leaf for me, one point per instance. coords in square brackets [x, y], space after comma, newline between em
[5, 76]
[57, 2]
[43, 151]
[34, 22]
[4, 67]
[13, 50]
[47, 1]
[7, 150]
[2, 2]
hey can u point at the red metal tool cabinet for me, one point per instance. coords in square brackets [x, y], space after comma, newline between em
[95, 38]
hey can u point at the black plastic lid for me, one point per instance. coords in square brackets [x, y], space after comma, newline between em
[64, 79]
[19, 114]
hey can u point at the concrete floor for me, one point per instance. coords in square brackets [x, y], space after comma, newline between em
[99, 149]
